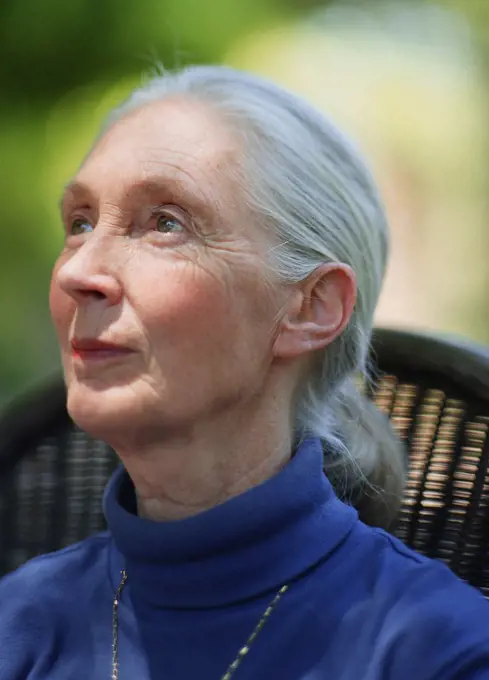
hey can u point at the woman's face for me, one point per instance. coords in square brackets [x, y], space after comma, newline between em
[162, 262]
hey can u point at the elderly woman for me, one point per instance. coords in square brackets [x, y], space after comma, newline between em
[224, 251]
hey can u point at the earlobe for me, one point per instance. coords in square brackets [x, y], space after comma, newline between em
[319, 310]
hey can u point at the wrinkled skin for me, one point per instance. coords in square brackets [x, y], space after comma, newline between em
[162, 256]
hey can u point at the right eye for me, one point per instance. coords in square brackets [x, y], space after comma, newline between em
[80, 226]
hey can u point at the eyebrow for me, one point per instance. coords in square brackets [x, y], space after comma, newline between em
[73, 187]
[173, 187]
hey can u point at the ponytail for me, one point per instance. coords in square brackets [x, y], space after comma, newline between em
[367, 463]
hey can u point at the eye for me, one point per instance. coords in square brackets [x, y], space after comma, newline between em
[167, 224]
[80, 226]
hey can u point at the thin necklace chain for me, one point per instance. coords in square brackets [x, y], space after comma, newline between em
[232, 668]
[115, 626]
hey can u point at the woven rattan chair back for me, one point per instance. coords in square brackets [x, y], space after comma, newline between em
[436, 392]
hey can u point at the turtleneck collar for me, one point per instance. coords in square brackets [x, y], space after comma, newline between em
[241, 549]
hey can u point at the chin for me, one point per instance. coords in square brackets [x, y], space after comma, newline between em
[103, 414]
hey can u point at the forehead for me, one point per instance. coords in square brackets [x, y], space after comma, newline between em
[173, 139]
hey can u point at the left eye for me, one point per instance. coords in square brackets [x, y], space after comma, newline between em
[80, 226]
[166, 224]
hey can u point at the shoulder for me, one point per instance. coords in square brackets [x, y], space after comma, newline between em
[34, 597]
[414, 578]
[420, 620]
[47, 574]
[427, 591]
[50, 580]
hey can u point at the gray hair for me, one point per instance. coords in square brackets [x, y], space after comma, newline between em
[307, 184]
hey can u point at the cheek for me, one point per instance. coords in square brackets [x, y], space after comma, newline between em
[185, 308]
[200, 314]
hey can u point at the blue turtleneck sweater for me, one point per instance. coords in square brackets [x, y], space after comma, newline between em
[360, 605]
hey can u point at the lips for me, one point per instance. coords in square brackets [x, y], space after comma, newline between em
[91, 348]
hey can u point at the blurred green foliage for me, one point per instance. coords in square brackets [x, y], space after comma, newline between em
[62, 66]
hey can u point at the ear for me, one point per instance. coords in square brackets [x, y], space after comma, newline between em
[317, 312]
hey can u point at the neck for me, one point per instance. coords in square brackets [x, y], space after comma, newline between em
[182, 476]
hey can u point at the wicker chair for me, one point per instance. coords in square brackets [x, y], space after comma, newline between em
[436, 392]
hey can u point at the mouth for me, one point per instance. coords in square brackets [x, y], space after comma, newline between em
[91, 349]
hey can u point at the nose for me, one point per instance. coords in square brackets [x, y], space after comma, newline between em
[86, 277]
